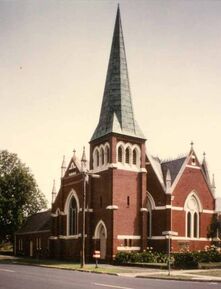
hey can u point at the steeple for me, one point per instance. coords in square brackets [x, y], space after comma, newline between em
[117, 114]
[213, 185]
[205, 169]
[63, 167]
[54, 192]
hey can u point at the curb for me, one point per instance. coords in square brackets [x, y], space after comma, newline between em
[67, 269]
[179, 279]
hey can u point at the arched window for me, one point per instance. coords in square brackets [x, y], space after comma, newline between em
[149, 220]
[134, 157]
[189, 224]
[102, 156]
[73, 217]
[195, 225]
[120, 154]
[97, 158]
[192, 207]
[127, 156]
[107, 152]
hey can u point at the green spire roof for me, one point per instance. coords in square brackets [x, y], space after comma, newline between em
[116, 114]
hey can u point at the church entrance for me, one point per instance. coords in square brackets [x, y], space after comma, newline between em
[101, 239]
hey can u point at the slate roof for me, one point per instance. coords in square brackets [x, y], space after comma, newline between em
[117, 110]
[161, 167]
[206, 171]
[37, 222]
[174, 167]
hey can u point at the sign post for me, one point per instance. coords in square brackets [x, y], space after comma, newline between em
[168, 235]
[96, 256]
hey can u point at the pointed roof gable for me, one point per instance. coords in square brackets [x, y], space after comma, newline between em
[74, 167]
[117, 114]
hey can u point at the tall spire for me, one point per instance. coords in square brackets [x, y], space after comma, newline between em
[205, 169]
[63, 167]
[117, 114]
[54, 192]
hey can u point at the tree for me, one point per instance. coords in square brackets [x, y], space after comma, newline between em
[19, 194]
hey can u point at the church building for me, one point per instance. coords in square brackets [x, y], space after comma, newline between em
[122, 198]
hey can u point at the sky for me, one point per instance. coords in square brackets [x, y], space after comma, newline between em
[53, 62]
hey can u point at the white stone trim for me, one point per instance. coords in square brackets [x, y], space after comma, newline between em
[127, 248]
[98, 150]
[151, 200]
[174, 208]
[112, 207]
[179, 238]
[57, 213]
[193, 167]
[159, 208]
[100, 223]
[53, 238]
[209, 211]
[70, 236]
[193, 194]
[131, 148]
[132, 237]
[89, 210]
[143, 210]
[67, 204]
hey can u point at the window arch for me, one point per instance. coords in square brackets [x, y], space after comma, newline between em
[71, 210]
[149, 219]
[97, 158]
[193, 208]
[189, 224]
[127, 155]
[107, 155]
[102, 156]
[120, 154]
[134, 157]
[195, 225]
[73, 217]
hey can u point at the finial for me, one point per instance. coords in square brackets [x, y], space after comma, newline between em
[213, 181]
[54, 192]
[63, 167]
[54, 188]
[191, 144]
[204, 155]
[83, 160]
[168, 181]
[74, 154]
[213, 185]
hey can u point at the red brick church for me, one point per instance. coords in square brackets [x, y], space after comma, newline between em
[123, 198]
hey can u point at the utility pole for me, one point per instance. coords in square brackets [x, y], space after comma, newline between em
[85, 174]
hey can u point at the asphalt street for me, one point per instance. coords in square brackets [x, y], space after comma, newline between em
[30, 277]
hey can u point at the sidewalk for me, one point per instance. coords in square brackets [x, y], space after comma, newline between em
[199, 275]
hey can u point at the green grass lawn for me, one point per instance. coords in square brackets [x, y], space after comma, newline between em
[64, 265]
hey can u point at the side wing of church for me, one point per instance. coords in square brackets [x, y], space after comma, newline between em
[132, 199]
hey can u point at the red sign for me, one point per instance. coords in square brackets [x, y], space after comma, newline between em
[97, 254]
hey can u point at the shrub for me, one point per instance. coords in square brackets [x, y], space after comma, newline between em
[121, 258]
[185, 260]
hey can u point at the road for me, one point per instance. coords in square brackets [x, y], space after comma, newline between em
[30, 277]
